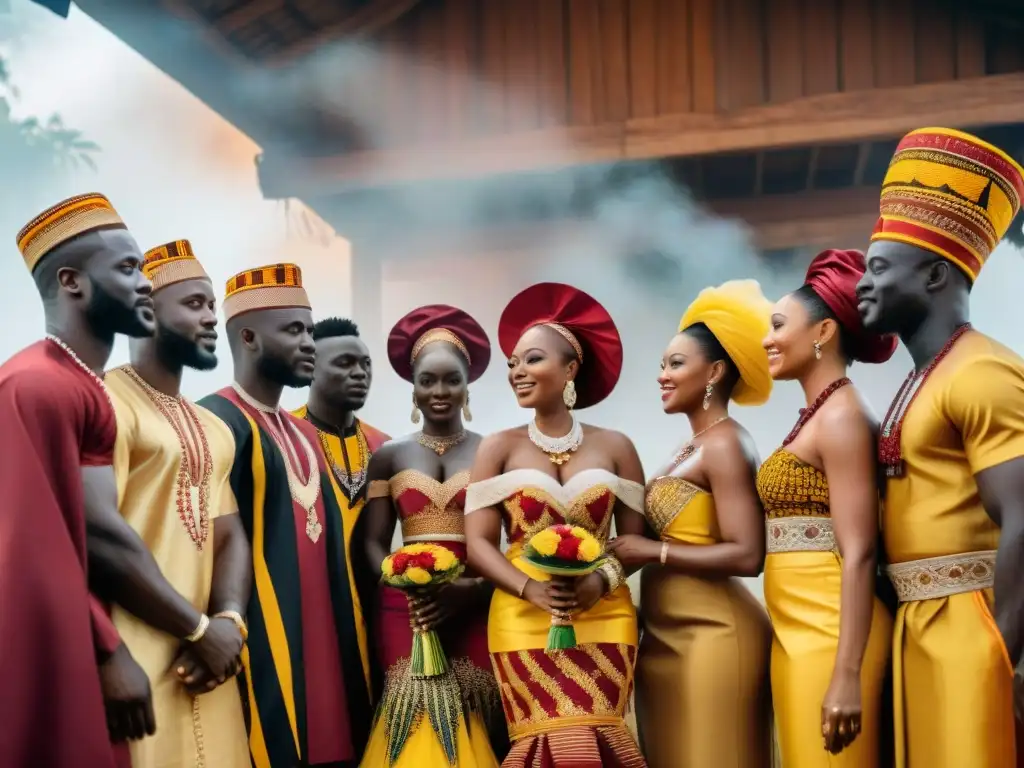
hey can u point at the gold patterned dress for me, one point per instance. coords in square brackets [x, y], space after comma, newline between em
[407, 731]
[802, 580]
[564, 709]
[702, 674]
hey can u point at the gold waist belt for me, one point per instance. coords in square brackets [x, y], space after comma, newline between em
[943, 576]
[799, 534]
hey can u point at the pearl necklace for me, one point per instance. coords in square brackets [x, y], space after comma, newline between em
[304, 493]
[78, 361]
[558, 449]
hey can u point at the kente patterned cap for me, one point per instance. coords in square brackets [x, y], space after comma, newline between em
[62, 222]
[275, 286]
[172, 263]
[438, 322]
[581, 321]
[950, 193]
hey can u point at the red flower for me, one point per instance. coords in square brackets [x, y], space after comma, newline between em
[399, 562]
[567, 548]
[424, 560]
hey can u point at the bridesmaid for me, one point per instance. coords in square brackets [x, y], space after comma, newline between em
[820, 495]
[702, 672]
[420, 482]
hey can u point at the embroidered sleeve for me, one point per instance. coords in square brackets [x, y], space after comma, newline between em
[378, 489]
[489, 492]
[631, 494]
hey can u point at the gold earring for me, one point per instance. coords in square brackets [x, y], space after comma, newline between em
[817, 350]
[415, 418]
[467, 415]
[707, 395]
[569, 394]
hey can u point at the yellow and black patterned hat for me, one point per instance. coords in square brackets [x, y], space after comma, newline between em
[275, 286]
[172, 263]
[62, 222]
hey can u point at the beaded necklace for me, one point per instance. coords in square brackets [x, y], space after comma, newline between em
[809, 411]
[890, 448]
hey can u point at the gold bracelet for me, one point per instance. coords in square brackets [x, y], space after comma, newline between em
[522, 589]
[613, 573]
[239, 622]
[664, 552]
[197, 634]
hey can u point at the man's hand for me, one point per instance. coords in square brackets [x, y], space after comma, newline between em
[219, 648]
[195, 676]
[127, 697]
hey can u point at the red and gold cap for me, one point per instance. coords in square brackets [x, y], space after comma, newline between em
[64, 221]
[172, 263]
[438, 322]
[950, 193]
[581, 321]
[275, 286]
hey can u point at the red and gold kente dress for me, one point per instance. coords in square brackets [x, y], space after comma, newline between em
[404, 734]
[564, 709]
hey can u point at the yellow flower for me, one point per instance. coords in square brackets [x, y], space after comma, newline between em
[589, 550]
[417, 576]
[387, 567]
[580, 533]
[444, 560]
[415, 549]
[545, 542]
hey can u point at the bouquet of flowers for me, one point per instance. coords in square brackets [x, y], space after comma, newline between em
[564, 550]
[416, 567]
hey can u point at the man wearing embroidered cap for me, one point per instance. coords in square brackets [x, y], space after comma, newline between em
[952, 446]
[564, 352]
[58, 436]
[306, 684]
[173, 460]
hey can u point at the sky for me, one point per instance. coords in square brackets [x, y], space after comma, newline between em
[175, 169]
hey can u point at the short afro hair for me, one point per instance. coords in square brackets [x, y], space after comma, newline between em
[332, 327]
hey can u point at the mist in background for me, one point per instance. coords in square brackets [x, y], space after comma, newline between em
[174, 169]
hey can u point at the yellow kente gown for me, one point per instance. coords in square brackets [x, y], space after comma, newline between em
[165, 507]
[702, 691]
[565, 709]
[952, 675]
[802, 580]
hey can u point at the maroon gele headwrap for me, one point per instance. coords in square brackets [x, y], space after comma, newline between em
[579, 314]
[833, 275]
[438, 322]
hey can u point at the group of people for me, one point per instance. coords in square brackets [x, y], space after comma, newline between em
[199, 584]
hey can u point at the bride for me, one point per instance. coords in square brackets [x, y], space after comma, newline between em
[565, 708]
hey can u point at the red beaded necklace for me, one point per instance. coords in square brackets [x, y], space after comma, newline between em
[809, 411]
[890, 449]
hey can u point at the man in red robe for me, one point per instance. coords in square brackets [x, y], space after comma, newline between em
[307, 691]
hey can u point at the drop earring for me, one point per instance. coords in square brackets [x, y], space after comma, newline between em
[707, 395]
[415, 418]
[817, 350]
[467, 415]
[569, 394]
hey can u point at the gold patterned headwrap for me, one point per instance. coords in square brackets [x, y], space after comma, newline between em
[172, 263]
[62, 222]
[739, 316]
[950, 193]
[275, 286]
[568, 335]
[439, 334]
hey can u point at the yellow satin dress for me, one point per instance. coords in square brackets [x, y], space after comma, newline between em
[802, 579]
[702, 692]
[952, 677]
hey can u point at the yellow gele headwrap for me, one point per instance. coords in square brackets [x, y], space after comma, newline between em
[738, 315]
[64, 221]
[172, 263]
[950, 193]
[275, 286]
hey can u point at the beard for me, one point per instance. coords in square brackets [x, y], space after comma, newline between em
[108, 316]
[179, 350]
[281, 372]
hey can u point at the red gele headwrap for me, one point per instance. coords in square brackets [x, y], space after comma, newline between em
[438, 322]
[833, 275]
[584, 318]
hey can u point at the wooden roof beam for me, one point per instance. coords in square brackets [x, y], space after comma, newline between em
[840, 117]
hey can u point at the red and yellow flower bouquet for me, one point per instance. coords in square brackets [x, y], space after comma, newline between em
[417, 567]
[564, 550]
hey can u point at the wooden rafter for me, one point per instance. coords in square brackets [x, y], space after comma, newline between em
[839, 117]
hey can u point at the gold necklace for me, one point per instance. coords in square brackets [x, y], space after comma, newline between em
[441, 444]
[195, 469]
[351, 482]
[688, 450]
[304, 493]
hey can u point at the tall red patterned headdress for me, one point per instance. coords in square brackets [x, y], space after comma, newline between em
[578, 318]
[950, 193]
[438, 322]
